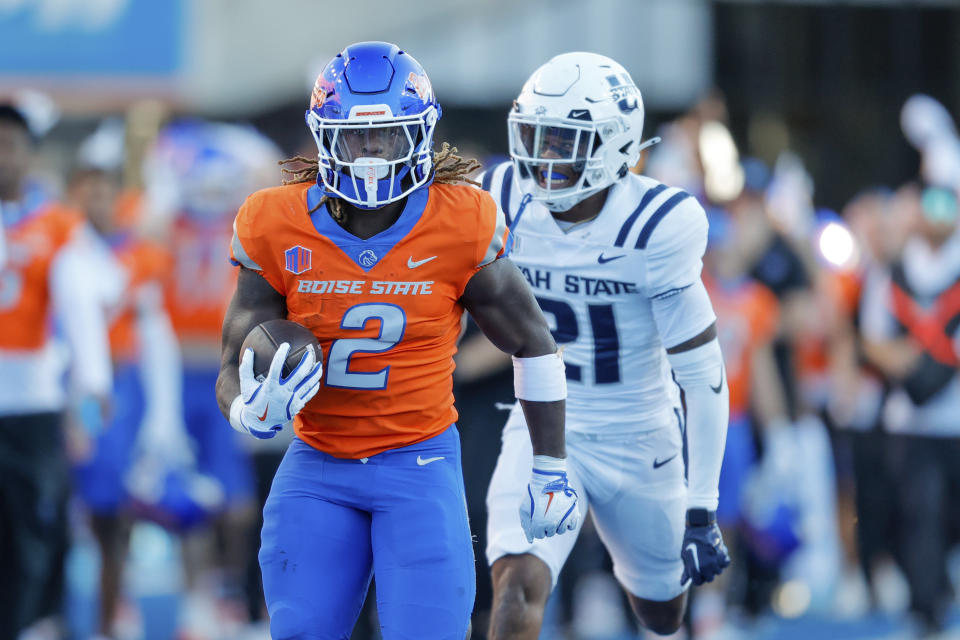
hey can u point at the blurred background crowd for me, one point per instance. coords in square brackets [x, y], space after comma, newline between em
[819, 136]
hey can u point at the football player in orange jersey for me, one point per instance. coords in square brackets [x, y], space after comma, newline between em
[378, 251]
[48, 277]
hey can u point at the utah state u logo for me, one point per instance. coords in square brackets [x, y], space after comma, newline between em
[298, 259]
[622, 91]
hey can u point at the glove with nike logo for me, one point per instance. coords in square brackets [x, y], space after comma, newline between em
[703, 553]
[550, 506]
[266, 404]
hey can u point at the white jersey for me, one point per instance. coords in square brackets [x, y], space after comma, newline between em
[595, 284]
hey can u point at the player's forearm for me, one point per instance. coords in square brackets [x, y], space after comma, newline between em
[228, 380]
[228, 388]
[545, 420]
[254, 301]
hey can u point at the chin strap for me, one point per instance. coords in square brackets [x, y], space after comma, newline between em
[516, 220]
[649, 143]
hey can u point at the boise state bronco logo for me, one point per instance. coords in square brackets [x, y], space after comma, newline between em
[319, 94]
[420, 84]
[367, 258]
[298, 259]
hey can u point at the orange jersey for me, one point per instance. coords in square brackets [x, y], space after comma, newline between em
[837, 294]
[128, 210]
[144, 262]
[201, 282]
[386, 310]
[747, 317]
[32, 244]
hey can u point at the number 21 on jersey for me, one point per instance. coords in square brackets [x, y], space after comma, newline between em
[606, 341]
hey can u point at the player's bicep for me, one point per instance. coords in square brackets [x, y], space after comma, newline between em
[502, 304]
[685, 319]
[254, 301]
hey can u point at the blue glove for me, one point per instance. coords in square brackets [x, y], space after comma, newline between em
[703, 553]
[550, 506]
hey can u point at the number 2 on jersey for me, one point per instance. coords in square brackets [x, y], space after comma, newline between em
[393, 322]
[606, 342]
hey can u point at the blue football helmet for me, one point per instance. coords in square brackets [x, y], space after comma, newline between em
[373, 114]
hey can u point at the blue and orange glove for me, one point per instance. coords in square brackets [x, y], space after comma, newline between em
[703, 553]
[550, 506]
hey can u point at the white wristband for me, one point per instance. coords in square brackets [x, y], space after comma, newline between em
[540, 379]
[549, 463]
[236, 407]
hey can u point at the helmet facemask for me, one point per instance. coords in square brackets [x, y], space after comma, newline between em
[560, 160]
[373, 160]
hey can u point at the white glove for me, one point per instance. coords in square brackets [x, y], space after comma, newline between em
[550, 506]
[265, 405]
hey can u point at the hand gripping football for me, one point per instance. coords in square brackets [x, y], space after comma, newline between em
[267, 336]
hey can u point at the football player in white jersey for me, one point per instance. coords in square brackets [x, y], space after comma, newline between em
[614, 260]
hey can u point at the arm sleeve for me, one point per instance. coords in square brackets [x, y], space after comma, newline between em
[700, 374]
[682, 310]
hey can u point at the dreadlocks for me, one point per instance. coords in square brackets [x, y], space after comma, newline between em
[448, 168]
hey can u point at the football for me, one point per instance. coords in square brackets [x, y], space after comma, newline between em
[267, 336]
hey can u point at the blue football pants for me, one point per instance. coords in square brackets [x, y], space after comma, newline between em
[329, 524]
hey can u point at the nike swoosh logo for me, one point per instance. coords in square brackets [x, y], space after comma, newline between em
[719, 387]
[692, 548]
[413, 264]
[264, 416]
[603, 260]
[659, 463]
[549, 502]
[423, 461]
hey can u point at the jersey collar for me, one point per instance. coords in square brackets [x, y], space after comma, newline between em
[366, 253]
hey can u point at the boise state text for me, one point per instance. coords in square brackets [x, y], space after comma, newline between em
[542, 279]
[357, 287]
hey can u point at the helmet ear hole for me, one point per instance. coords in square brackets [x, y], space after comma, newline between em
[625, 148]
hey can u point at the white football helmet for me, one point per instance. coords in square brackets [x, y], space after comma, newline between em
[575, 129]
